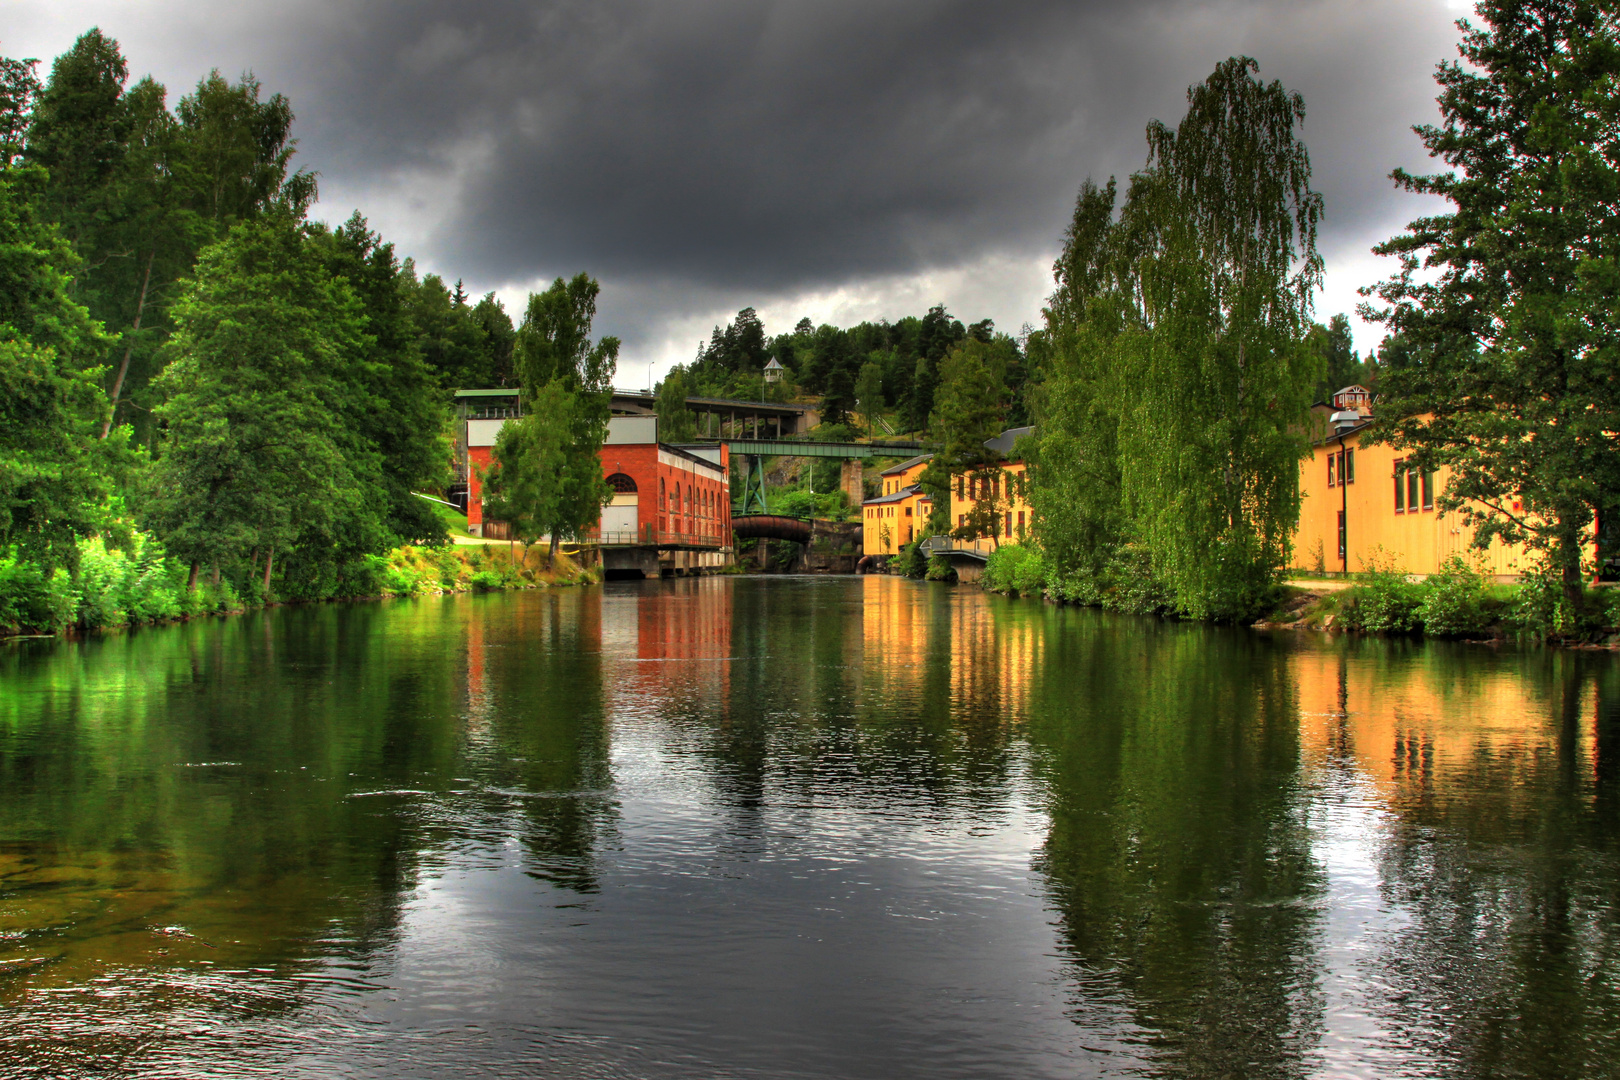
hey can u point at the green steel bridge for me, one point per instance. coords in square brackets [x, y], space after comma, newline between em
[753, 450]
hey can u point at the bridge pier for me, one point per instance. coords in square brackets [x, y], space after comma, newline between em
[851, 478]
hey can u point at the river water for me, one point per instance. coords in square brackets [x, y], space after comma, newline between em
[801, 827]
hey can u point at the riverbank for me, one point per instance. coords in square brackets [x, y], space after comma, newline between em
[114, 589]
[1459, 602]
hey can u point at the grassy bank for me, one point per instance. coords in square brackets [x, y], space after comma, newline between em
[1458, 602]
[135, 584]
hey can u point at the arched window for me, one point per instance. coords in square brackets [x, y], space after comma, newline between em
[660, 493]
[621, 484]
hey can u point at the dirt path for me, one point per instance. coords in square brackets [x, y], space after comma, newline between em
[1321, 585]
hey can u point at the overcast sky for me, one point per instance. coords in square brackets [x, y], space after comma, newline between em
[841, 159]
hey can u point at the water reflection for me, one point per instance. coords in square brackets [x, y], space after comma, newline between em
[801, 826]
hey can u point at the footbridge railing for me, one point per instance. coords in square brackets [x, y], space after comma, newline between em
[950, 546]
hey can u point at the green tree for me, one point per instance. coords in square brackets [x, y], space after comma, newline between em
[1504, 308]
[1076, 494]
[139, 191]
[237, 151]
[1335, 351]
[970, 408]
[1224, 225]
[740, 348]
[496, 344]
[1179, 331]
[391, 404]
[80, 132]
[839, 399]
[467, 346]
[19, 89]
[526, 485]
[554, 346]
[149, 241]
[54, 479]
[869, 393]
[676, 423]
[936, 333]
[250, 457]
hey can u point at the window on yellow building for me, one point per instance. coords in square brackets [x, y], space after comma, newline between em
[961, 520]
[1333, 469]
[1411, 489]
[1400, 487]
[1347, 467]
[1428, 491]
[908, 511]
[959, 488]
[1008, 532]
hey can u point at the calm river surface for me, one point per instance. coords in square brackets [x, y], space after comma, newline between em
[796, 827]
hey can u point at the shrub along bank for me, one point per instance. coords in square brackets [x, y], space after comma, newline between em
[1458, 602]
[136, 583]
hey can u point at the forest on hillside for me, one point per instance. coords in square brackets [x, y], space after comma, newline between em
[209, 398]
[894, 369]
[213, 399]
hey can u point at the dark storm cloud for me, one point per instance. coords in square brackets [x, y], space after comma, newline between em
[699, 156]
[784, 146]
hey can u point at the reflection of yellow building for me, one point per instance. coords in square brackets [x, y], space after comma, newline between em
[1357, 499]
[1429, 728]
[1007, 487]
[894, 637]
[996, 646]
[897, 516]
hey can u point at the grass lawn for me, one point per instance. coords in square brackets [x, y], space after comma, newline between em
[455, 522]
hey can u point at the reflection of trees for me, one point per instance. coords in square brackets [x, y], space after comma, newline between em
[1178, 855]
[548, 746]
[1504, 860]
[180, 770]
[266, 790]
[836, 694]
[178, 808]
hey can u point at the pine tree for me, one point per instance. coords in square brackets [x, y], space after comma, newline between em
[54, 477]
[969, 409]
[676, 424]
[251, 458]
[869, 393]
[1505, 341]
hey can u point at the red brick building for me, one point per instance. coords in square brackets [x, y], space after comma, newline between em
[664, 496]
[673, 497]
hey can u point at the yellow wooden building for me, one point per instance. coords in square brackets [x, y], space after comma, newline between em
[1009, 487]
[1362, 503]
[898, 515]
